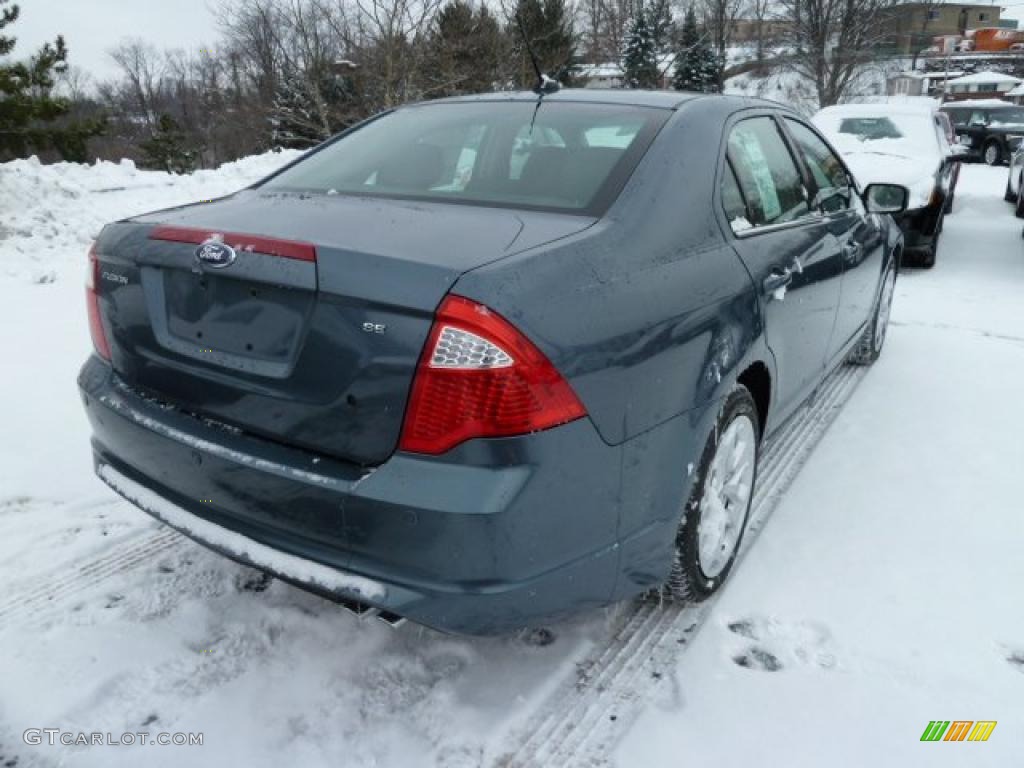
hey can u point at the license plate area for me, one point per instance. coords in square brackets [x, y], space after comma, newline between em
[236, 317]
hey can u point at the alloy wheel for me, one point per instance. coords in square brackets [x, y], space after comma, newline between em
[727, 492]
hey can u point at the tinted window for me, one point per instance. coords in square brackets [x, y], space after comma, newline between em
[958, 116]
[767, 175]
[1001, 117]
[869, 128]
[829, 175]
[559, 156]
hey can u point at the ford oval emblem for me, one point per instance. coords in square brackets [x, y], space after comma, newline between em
[215, 254]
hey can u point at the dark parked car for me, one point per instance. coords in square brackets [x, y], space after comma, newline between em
[486, 361]
[991, 129]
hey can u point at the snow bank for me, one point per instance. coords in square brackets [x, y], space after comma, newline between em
[49, 214]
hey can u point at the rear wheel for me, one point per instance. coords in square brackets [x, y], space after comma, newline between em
[870, 345]
[993, 153]
[715, 514]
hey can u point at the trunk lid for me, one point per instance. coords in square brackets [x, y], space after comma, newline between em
[311, 335]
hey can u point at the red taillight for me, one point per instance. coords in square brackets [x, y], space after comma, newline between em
[480, 377]
[92, 305]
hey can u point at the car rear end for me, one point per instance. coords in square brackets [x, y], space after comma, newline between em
[291, 377]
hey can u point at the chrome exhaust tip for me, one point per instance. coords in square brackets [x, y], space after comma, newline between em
[356, 608]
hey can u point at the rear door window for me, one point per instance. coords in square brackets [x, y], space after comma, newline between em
[767, 174]
[733, 203]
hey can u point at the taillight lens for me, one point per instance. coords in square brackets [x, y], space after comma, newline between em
[92, 304]
[480, 377]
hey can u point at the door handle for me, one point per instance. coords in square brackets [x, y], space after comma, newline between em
[851, 251]
[779, 278]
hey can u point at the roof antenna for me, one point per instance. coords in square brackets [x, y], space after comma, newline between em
[544, 84]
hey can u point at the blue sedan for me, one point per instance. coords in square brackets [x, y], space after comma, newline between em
[484, 362]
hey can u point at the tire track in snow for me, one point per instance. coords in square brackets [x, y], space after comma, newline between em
[76, 579]
[584, 718]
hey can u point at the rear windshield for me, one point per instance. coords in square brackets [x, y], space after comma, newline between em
[551, 156]
[870, 128]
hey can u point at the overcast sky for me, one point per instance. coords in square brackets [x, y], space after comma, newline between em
[90, 27]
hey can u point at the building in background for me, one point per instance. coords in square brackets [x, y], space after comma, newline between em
[981, 85]
[914, 25]
[920, 83]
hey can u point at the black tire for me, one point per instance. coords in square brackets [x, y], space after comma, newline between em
[687, 580]
[871, 343]
[1008, 194]
[1018, 210]
[992, 153]
[925, 257]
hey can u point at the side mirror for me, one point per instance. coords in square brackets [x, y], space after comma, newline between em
[886, 198]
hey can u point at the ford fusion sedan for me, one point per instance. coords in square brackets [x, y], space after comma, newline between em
[900, 143]
[484, 362]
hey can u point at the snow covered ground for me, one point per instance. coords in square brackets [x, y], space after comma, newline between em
[883, 592]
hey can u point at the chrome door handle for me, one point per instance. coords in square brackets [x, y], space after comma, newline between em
[779, 278]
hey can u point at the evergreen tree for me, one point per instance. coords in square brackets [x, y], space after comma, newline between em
[465, 46]
[660, 21]
[697, 66]
[640, 58]
[29, 110]
[312, 105]
[167, 150]
[549, 28]
[294, 118]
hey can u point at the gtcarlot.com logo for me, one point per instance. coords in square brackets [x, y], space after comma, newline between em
[958, 730]
[54, 736]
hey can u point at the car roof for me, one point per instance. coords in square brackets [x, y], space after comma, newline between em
[978, 103]
[626, 96]
[874, 109]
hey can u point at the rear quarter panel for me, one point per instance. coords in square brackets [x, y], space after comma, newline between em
[649, 313]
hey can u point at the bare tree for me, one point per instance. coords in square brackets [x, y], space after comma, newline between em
[760, 14]
[719, 19]
[607, 24]
[831, 41]
[919, 39]
[142, 68]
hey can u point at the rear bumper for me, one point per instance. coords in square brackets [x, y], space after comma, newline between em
[493, 536]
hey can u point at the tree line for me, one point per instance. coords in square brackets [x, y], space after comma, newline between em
[290, 73]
